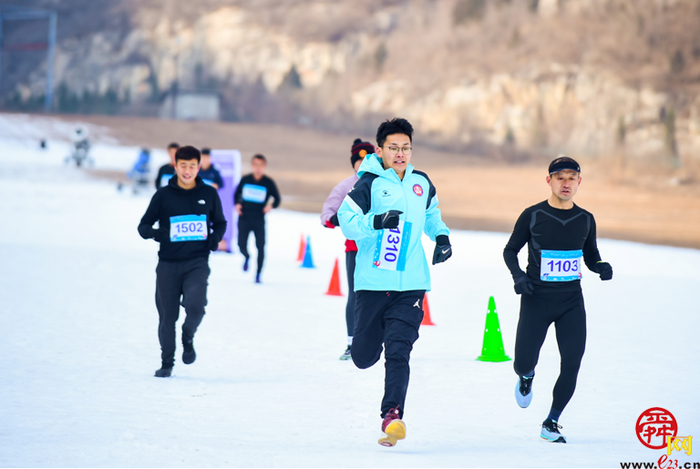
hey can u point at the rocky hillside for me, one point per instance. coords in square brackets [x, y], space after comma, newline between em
[504, 78]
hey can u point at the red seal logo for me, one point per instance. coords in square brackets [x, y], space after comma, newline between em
[655, 426]
[418, 190]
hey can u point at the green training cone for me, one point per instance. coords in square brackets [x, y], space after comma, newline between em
[492, 350]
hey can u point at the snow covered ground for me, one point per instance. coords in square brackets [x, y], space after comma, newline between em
[79, 346]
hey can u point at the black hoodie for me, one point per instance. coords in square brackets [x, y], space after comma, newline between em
[173, 201]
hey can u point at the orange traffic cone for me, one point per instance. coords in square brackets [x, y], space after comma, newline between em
[334, 286]
[302, 249]
[426, 313]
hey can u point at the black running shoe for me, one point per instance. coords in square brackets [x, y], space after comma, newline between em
[165, 371]
[188, 353]
[347, 355]
[550, 432]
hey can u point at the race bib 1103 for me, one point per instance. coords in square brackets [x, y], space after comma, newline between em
[188, 228]
[253, 193]
[392, 245]
[560, 266]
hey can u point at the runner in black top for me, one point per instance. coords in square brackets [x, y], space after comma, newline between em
[167, 171]
[251, 198]
[560, 236]
[190, 224]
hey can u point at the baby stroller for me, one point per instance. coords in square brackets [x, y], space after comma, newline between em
[139, 174]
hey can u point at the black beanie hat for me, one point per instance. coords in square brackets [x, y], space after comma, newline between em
[359, 150]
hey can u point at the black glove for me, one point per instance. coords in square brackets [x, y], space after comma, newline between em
[334, 220]
[213, 243]
[604, 269]
[523, 286]
[389, 219]
[443, 249]
[159, 235]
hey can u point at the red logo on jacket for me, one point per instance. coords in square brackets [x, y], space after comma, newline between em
[418, 190]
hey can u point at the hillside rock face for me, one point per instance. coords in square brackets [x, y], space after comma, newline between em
[569, 109]
[591, 77]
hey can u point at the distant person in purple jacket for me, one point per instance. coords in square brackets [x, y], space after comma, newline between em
[329, 219]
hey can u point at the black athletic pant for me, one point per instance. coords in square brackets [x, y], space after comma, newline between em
[393, 319]
[350, 306]
[257, 226]
[537, 312]
[183, 282]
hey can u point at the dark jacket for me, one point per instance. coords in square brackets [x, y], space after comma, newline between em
[211, 175]
[253, 195]
[183, 242]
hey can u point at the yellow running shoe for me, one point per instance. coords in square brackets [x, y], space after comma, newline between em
[393, 427]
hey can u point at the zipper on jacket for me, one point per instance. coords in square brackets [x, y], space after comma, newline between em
[405, 210]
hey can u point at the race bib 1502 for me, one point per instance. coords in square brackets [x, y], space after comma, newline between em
[560, 266]
[253, 193]
[392, 245]
[188, 228]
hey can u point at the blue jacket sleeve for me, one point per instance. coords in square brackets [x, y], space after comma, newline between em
[354, 215]
[434, 226]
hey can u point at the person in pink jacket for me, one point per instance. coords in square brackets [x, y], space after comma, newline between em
[329, 219]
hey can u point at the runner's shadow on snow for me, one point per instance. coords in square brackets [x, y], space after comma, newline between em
[228, 380]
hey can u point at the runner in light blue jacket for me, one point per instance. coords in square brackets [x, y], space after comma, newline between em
[378, 191]
[386, 213]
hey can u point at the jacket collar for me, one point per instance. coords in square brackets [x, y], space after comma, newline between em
[373, 164]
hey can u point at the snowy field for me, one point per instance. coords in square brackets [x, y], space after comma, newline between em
[79, 346]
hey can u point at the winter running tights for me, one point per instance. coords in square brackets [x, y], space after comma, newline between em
[537, 312]
[257, 226]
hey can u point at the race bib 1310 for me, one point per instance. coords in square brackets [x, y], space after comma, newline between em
[392, 245]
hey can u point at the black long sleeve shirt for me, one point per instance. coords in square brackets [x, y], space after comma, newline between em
[172, 201]
[544, 227]
[253, 196]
